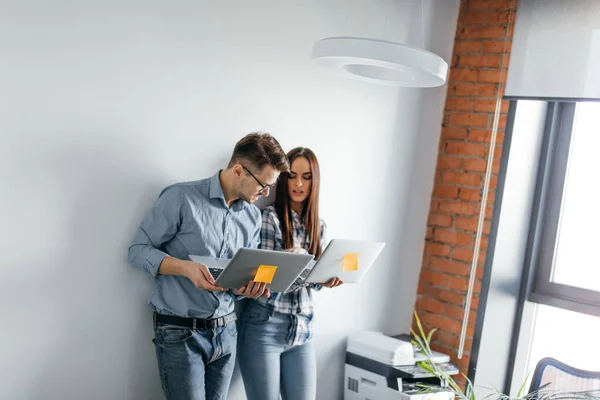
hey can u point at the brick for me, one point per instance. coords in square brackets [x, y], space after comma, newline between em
[463, 365]
[466, 224]
[496, 46]
[454, 133]
[496, 167]
[510, 31]
[461, 178]
[482, 105]
[502, 121]
[452, 237]
[440, 322]
[466, 149]
[455, 312]
[458, 283]
[429, 233]
[434, 278]
[485, 136]
[448, 325]
[448, 266]
[454, 61]
[470, 195]
[483, 244]
[494, 76]
[504, 63]
[442, 220]
[466, 119]
[467, 46]
[452, 297]
[477, 290]
[437, 249]
[475, 303]
[459, 208]
[448, 339]
[493, 182]
[482, 32]
[471, 328]
[459, 104]
[475, 165]
[462, 254]
[485, 17]
[481, 262]
[462, 75]
[448, 192]
[448, 162]
[489, 5]
[478, 61]
[489, 212]
[430, 305]
[498, 151]
[470, 224]
[475, 89]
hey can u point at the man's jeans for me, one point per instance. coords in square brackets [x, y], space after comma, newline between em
[195, 364]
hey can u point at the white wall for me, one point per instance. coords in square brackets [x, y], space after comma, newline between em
[555, 50]
[103, 103]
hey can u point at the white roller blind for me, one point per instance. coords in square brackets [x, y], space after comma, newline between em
[556, 50]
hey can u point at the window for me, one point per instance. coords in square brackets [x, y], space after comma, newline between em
[567, 267]
[553, 335]
[559, 301]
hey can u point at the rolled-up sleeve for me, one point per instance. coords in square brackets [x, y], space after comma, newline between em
[158, 227]
[324, 243]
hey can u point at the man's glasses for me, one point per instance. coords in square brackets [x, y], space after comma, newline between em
[266, 189]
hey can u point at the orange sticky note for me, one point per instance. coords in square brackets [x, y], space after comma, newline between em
[265, 273]
[351, 262]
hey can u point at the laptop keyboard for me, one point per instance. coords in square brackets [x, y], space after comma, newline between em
[215, 272]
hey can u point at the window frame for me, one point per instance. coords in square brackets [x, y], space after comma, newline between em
[551, 183]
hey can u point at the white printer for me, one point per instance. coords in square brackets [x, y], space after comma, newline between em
[380, 367]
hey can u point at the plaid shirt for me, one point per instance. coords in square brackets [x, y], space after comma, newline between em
[297, 301]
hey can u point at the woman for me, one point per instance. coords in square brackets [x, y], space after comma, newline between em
[275, 351]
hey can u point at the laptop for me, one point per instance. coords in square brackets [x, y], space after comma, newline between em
[349, 260]
[243, 267]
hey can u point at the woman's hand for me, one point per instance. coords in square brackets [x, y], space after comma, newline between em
[333, 282]
[297, 250]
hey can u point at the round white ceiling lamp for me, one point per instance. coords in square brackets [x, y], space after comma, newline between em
[379, 61]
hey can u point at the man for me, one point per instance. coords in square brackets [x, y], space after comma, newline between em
[194, 319]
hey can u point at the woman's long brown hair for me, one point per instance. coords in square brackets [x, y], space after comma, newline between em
[310, 211]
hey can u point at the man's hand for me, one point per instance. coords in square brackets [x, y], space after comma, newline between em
[200, 276]
[333, 282]
[253, 290]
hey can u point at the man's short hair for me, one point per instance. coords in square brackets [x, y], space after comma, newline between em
[260, 149]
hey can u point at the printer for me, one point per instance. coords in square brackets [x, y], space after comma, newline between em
[381, 367]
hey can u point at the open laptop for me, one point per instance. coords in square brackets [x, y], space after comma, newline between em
[349, 260]
[242, 268]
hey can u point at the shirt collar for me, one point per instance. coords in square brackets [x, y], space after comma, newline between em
[216, 192]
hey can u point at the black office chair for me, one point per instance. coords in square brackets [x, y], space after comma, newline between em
[552, 375]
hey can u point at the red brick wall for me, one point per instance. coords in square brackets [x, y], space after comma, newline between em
[476, 77]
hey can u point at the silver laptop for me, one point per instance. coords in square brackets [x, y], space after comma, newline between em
[242, 268]
[332, 262]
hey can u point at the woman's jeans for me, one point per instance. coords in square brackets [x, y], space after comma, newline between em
[268, 364]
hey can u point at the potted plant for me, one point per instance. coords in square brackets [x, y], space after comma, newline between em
[423, 341]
